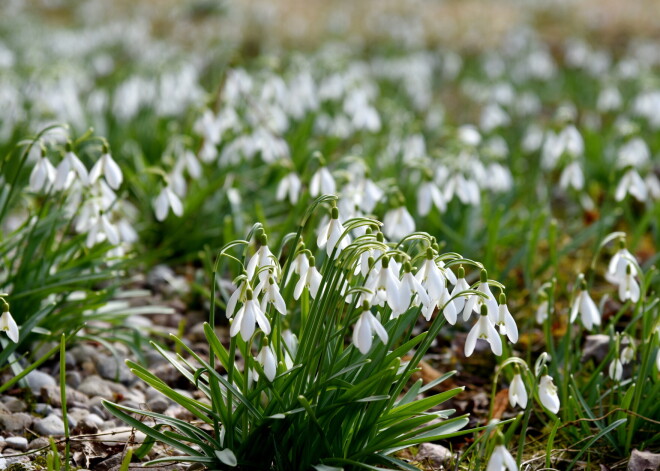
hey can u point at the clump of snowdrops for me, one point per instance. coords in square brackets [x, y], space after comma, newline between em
[314, 375]
[65, 230]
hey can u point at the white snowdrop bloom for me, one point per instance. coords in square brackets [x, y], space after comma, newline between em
[653, 185]
[475, 302]
[191, 164]
[483, 329]
[609, 99]
[542, 312]
[69, 165]
[236, 296]
[431, 277]
[371, 195]
[629, 288]
[330, 233]
[631, 183]
[448, 309]
[548, 394]
[178, 180]
[532, 140]
[585, 306]
[501, 460]
[634, 153]
[42, 176]
[551, 150]
[363, 115]
[500, 179]
[164, 201]
[429, 194]
[291, 342]
[572, 142]
[467, 190]
[517, 392]
[311, 280]
[266, 359]
[107, 167]
[289, 186]
[322, 183]
[208, 152]
[271, 295]
[100, 230]
[247, 317]
[505, 321]
[412, 290]
[8, 324]
[493, 117]
[366, 326]
[627, 353]
[300, 265]
[398, 223]
[385, 285]
[460, 285]
[618, 266]
[262, 258]
[126, 231]
[615, 371]
[469, 135]
[572, 176]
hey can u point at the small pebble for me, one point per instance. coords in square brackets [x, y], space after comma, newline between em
[51, 425]
[18, 443]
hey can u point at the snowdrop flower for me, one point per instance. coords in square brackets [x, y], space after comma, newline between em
[615, 370]
[271, 295]
[628, 352]
[261, 259]
[431, 277]
[266, 359]
[631, 183]
[330, 234]
[517, 391]
[300, 264]
[289, 185]
[100, 230]
[364, 329]
[311, 280]
[164, 201]
[572, 176]
[412, 291]
[371, 194]
[70, 164]
[483, 329]
[469, 135]
[501, 459]
[585, 306]
[247, 317]
[322, 183]
[460, 286]
[8, 324]
[236, 296]
[505, 321]
[618, 266]
[398, 223]
[629, 288]
[548, 394]
[43, 174]
[107, 167]
[429, 194]
[385, 285]
[474, 302]
[542, 311]
[653, 185]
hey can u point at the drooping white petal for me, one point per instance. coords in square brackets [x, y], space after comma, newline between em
[548, 394]
[9, 326]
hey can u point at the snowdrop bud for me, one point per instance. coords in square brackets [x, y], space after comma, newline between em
[616, 370]
[517, 391]
[548, 394]
[266, 359]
